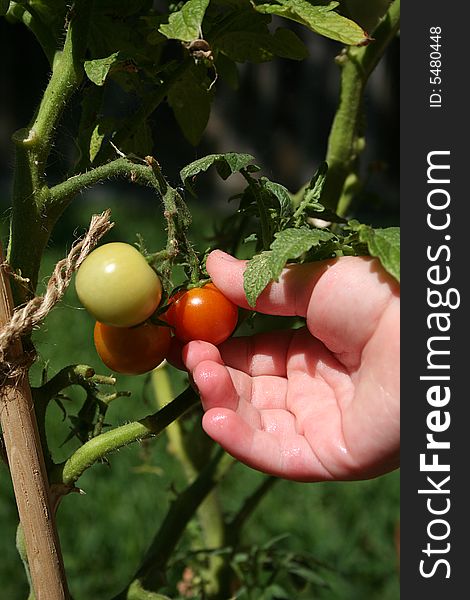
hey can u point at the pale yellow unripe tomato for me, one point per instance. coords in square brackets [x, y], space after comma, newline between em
[117, 286]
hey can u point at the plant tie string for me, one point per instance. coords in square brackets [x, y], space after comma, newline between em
[24, 319]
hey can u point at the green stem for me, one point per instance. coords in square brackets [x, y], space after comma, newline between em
[67, 75]
[30, 219]
[344, 145]
[97, 448]
[28, 16]
[209, 513]
[62, 193]
[234, 528]
[151, 574]
[162, 389]
[37, 217]
[266, 236]
[248, 507]
[70, 375]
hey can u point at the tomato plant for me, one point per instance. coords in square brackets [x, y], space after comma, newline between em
[202, 313]
[117, 70]
[132, 350]
[117, 286]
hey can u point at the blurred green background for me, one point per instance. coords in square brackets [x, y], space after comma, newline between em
[348, 527]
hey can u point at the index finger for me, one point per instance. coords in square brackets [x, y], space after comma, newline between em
[287, 297]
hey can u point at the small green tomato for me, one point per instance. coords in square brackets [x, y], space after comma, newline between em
[117, 286]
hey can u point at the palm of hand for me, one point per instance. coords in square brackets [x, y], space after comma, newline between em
[291, 405]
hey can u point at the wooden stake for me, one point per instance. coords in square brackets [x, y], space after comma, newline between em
[28, 472]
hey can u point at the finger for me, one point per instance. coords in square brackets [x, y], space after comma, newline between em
[287, 297]
[215, 386]
[218, 387]
[261, 354]
[197, 351]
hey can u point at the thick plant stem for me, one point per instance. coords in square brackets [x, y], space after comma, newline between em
[101, 445]
[209, 513]
[234, 528]
[345, 143]
[27, 468]
[29, 17]
[163, 392]
[151, 575]
[30, 218]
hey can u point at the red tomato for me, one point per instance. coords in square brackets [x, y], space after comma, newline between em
[202, 313]
[132, 350]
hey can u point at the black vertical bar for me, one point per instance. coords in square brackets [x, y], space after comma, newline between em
[435, 325]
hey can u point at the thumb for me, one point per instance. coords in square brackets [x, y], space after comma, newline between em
[290, 296]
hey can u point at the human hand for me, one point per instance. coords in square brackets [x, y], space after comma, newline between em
[316, 403]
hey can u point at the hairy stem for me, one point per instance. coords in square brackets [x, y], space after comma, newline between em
[234, 528]
[151, 574]
[98, 447]
[27, 15]
[344, 143]
[209, 513]
[30, 218]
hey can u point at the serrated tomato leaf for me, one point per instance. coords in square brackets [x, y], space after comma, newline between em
[281, 194]
[185, 24]
[289, 244]
[190, 101]
[226, 164]
[98, 69]
[257, 275]
[318, 17]
[384, 244]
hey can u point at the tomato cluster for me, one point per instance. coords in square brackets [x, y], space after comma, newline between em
[121, 291]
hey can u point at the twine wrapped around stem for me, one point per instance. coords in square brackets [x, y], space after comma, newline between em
[25, 318]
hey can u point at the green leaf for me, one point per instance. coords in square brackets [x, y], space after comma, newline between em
[311, 196]
[257, 276]
[385, 245]
[97, 70]
[318, 17]
[257, 47]
[226, 164]
[289, 244]
[185, 24]
[96, 141]
[292, 243]
[287, 44]
[140, 143]
[227, 70]
[190, 100]
[315, 187]
[282, 195]
[246, 46]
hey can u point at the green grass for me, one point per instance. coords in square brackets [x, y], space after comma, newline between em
[348, 527]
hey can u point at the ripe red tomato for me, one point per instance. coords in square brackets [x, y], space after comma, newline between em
[202, 313]
[132, 350]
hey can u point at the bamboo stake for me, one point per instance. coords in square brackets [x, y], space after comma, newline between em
[28, 472]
